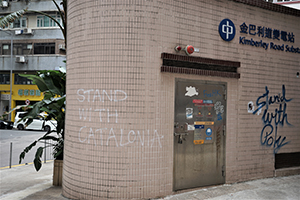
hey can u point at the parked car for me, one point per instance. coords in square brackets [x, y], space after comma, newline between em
[37, 124]
[6, 124]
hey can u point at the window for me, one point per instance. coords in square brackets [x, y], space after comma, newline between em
[22, 49]
[27, 49]
[4, 78]
[19, 80]
[18, 23]
[19, 49]
[44, 48]
[44, 21]
[6, 49]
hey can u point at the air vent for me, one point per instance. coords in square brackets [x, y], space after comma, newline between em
[28, 31]
[4, 4]
[62, 47]
[20, 59]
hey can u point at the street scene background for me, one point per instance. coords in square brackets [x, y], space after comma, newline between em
[20, 139]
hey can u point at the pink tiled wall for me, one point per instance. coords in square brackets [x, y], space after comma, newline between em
[120, 107]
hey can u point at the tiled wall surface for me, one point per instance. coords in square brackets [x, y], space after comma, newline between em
[120, 106]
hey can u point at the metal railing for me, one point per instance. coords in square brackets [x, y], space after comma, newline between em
[47, 152]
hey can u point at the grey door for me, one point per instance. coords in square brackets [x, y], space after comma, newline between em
[199, 133]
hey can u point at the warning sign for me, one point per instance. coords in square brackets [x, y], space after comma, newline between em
[27, 102]
[204, 123]
[204, 132]
[198, 141]
[197, 101]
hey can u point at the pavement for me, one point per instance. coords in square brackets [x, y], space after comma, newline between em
[281, 188]
[22, 182]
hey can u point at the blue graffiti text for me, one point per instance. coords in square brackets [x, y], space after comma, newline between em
[270, 118]
[213, 93]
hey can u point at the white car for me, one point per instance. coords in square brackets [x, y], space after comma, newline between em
[37, 123]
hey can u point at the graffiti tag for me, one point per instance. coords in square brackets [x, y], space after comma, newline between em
[269, 136]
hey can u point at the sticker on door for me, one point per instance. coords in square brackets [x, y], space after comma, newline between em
[189, 113]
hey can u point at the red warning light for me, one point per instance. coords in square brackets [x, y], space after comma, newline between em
[178, 48]
[189, 49]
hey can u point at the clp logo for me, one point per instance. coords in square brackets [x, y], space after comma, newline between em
[227, 30]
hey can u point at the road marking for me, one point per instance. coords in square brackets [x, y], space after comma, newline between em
[21, 165]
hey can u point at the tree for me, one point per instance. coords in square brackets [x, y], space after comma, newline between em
[53, 84]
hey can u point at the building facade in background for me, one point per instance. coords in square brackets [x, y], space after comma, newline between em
[289, 3]
[38, 44]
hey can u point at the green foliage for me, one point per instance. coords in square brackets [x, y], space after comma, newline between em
[37, 160]
[6, 20]
[53, 85]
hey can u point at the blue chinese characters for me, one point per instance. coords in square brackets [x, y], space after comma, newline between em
[266, 32]
[227, 32]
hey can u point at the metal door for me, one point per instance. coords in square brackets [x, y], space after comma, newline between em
[199, 133]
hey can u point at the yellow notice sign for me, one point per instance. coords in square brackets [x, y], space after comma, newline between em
[198, 141]
[204, 123]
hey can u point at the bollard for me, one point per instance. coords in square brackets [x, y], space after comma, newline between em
[45, 153]
[10, 155]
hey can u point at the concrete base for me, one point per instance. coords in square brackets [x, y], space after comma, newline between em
[287, 171]
[57, 172]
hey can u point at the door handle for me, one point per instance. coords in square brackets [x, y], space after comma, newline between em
[180, 134]
[180, 138]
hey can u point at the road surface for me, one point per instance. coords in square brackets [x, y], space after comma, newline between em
[19, 140]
